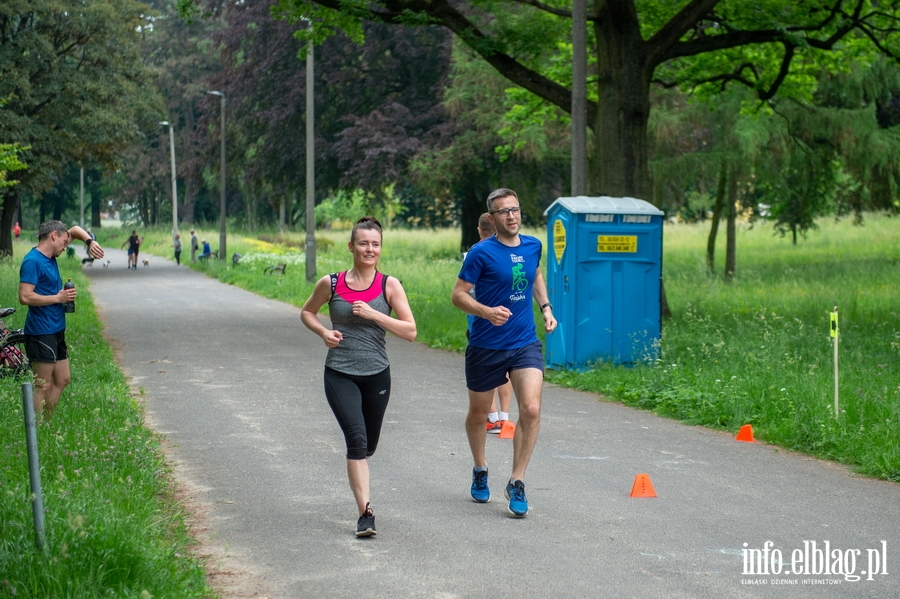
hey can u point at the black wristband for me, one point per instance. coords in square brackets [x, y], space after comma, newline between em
[547, 305]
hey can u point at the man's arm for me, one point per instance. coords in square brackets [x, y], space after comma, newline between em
[93, 249]
[28, 297]
[539, 292]
[465, 302]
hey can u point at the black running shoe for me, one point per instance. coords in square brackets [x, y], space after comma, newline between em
[365, 526]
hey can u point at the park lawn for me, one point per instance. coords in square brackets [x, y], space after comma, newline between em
[113, 527]
[755, 351]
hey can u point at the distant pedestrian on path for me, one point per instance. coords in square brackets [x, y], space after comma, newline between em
[194, 247]
[177, 244]
[499, 413]
[134, 243]
[17, 230]
[41, 289]
[505, 270]
[357, 370]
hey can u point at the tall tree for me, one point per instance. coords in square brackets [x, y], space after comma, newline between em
[377, 104]
[770, 46]
[479, 151]
[9, 161]
[74, 81]
[182, 57]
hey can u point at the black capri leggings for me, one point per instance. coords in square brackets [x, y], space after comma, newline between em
[359, 404]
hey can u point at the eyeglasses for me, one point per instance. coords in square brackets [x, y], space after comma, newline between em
[507, 211]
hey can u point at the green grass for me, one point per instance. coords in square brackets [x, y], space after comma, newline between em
[113, 528]
[756, 351]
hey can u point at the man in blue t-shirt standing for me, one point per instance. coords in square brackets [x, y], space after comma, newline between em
[41, 289]
[505, 271]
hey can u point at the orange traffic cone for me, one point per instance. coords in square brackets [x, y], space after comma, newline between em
[642, 486]
[508, 429]
[745, 434]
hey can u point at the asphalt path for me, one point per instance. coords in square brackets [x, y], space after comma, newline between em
[233, 382]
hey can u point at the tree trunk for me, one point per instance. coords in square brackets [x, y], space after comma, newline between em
[143, 208]
[623, 85]
[619, 162]
[717, 215]
[58, 205]
[186, 209]
[96, 191]
[10, 206]
[473, 206]
[731, 243]
[96, 201]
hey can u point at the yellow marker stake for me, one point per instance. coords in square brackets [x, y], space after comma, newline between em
[834, 335]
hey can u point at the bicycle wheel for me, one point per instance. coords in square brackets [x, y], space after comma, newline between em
[13, 360]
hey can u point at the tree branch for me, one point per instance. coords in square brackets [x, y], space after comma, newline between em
[738, 77]
[782, 73]
[712, 43]
[548, 9]
[677, 26]
[442, 13]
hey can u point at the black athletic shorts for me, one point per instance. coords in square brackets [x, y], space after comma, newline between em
[47, 348]
[487, 369]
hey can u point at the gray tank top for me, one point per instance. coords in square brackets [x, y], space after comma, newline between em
[361, 352]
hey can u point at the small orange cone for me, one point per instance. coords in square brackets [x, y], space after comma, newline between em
[642, 486]
[745, 434]
[508, 429]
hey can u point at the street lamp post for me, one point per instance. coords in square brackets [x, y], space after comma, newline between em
[174, 186]
[579, 98]
[82, 198]
[310, 169]
[222, 250]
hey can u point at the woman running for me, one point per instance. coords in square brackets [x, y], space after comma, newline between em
[357, 371]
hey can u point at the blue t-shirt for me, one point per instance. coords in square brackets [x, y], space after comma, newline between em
[503, 276]
[42, 272]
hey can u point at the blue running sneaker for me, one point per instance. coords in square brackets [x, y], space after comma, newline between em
[480, 490]
[515, 492]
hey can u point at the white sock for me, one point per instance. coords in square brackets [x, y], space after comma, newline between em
[492, 417]
[504, 415]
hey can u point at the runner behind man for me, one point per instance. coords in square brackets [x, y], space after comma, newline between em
[496, 417]
[505, 270]
[133, 243]
[357, 371]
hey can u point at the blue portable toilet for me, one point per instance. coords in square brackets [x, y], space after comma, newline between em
[604, 280]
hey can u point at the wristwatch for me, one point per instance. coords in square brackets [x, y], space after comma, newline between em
[547, 305]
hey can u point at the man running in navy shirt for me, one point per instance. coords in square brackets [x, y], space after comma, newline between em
[505, 271]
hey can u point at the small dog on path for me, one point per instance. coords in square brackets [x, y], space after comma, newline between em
[146, 263]
[87, 261]
[106, 264]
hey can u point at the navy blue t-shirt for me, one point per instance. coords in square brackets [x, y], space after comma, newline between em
[503, 276]
[42, 272]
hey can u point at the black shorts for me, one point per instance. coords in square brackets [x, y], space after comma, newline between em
[487, 369]
[47, 348]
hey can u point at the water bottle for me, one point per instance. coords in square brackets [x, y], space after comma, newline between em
[69, 306]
